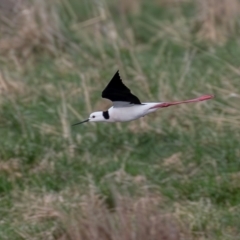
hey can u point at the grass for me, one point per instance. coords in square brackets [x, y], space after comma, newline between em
[181, 162]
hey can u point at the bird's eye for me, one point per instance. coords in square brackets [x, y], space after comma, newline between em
[93, 116]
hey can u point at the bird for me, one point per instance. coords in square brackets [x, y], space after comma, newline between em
[126, 106]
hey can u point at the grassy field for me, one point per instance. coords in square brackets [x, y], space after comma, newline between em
[172, 175]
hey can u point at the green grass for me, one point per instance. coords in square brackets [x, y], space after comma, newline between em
[188, 154]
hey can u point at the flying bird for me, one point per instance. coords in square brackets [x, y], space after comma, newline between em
[128, 107]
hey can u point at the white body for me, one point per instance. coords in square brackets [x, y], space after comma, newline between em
[125, 111]
[127, 107]
[130, 112]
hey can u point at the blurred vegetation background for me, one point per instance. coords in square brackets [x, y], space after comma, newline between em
[172, 175]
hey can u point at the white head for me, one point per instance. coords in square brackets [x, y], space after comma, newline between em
[94, 117]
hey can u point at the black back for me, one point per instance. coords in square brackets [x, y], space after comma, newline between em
[117, 91]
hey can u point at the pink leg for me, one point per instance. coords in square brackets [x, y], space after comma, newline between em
[167, 104]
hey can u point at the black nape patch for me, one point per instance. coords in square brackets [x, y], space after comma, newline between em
[106, 115]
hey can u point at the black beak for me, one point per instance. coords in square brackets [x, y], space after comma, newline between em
[81, 122]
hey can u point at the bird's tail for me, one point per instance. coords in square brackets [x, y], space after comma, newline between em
[168, 104]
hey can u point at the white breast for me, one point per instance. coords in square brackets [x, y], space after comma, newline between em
[124, 114]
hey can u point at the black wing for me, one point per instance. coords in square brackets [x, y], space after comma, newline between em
[117, 91]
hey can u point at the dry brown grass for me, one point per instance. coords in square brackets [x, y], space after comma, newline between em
[34, 26]
[133, 6]
[11, 88]
[8, 86]
[90, 217]
[82, 214]
[11, 168]
[217, 19]
[170, 2]
[139, 219]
